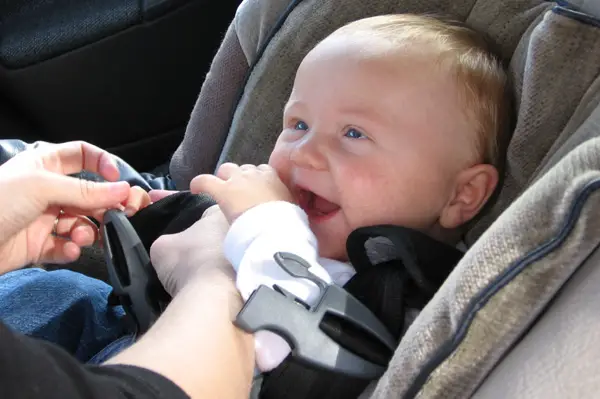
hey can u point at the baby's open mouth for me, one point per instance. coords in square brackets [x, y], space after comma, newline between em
[316, 207]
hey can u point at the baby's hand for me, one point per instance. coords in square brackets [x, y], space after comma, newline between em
[138, 199]
[239, 188]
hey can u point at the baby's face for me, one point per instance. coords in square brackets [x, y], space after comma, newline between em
[371, 138]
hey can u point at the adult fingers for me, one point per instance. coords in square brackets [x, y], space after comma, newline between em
[75, 156]
[57, 190]
[211, 210]
[59, 250]
[79, 229]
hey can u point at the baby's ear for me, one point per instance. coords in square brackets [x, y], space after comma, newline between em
[473, 188]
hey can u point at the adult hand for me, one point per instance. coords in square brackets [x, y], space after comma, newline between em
[194, 342]
[42, 217]
[239, 188]
[193, 253]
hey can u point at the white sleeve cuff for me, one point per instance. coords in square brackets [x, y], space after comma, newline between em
[264, 230]
[268, 218]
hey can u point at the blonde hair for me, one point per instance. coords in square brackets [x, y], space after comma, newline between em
[481, 78]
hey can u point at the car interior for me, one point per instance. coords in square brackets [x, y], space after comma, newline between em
[123, 75]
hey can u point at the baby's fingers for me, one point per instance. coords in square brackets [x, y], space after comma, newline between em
[209, 184]
[227, 170]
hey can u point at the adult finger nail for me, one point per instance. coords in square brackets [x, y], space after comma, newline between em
[108, 168]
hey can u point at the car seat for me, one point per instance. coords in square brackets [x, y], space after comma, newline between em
[532, 253]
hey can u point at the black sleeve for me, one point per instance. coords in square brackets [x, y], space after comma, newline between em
[32, 369]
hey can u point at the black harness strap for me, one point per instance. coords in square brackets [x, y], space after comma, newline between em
[172, 214]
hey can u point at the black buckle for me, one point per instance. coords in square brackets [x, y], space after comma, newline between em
[281, 312]
[131, 273]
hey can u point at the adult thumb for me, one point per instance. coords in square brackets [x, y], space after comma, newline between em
[66, 191]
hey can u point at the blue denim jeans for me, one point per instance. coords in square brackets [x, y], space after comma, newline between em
[112, 349]
[66, 308]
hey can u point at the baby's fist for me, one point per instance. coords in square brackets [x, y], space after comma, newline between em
[239, 188]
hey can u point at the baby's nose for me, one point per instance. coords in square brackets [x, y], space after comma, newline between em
[309, 153]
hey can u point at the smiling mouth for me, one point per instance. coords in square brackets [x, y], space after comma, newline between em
[316, 207]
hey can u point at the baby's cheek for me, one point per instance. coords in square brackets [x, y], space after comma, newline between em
[281, 164]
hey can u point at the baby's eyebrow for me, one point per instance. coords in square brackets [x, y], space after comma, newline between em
[293, 105]
[366, 113]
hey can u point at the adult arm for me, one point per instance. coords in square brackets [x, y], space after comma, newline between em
[193, 349]
[209, 357]
[34, 369]
[195, 344]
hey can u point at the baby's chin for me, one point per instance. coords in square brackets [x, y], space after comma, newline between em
[332, 248]
[331, 238]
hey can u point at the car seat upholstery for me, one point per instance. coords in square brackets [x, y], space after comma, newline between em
[558, 358]
[537, 234]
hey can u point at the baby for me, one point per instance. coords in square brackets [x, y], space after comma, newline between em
[396, 119]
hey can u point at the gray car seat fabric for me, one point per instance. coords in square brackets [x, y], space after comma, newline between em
[543, 224]
[554, 66]
[558, 358]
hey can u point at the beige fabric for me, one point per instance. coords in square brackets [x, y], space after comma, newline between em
[560, 356]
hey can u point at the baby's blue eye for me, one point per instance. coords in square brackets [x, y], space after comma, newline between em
[355, 134]
[301, 126]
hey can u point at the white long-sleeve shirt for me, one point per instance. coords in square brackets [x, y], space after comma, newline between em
[250, 244]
